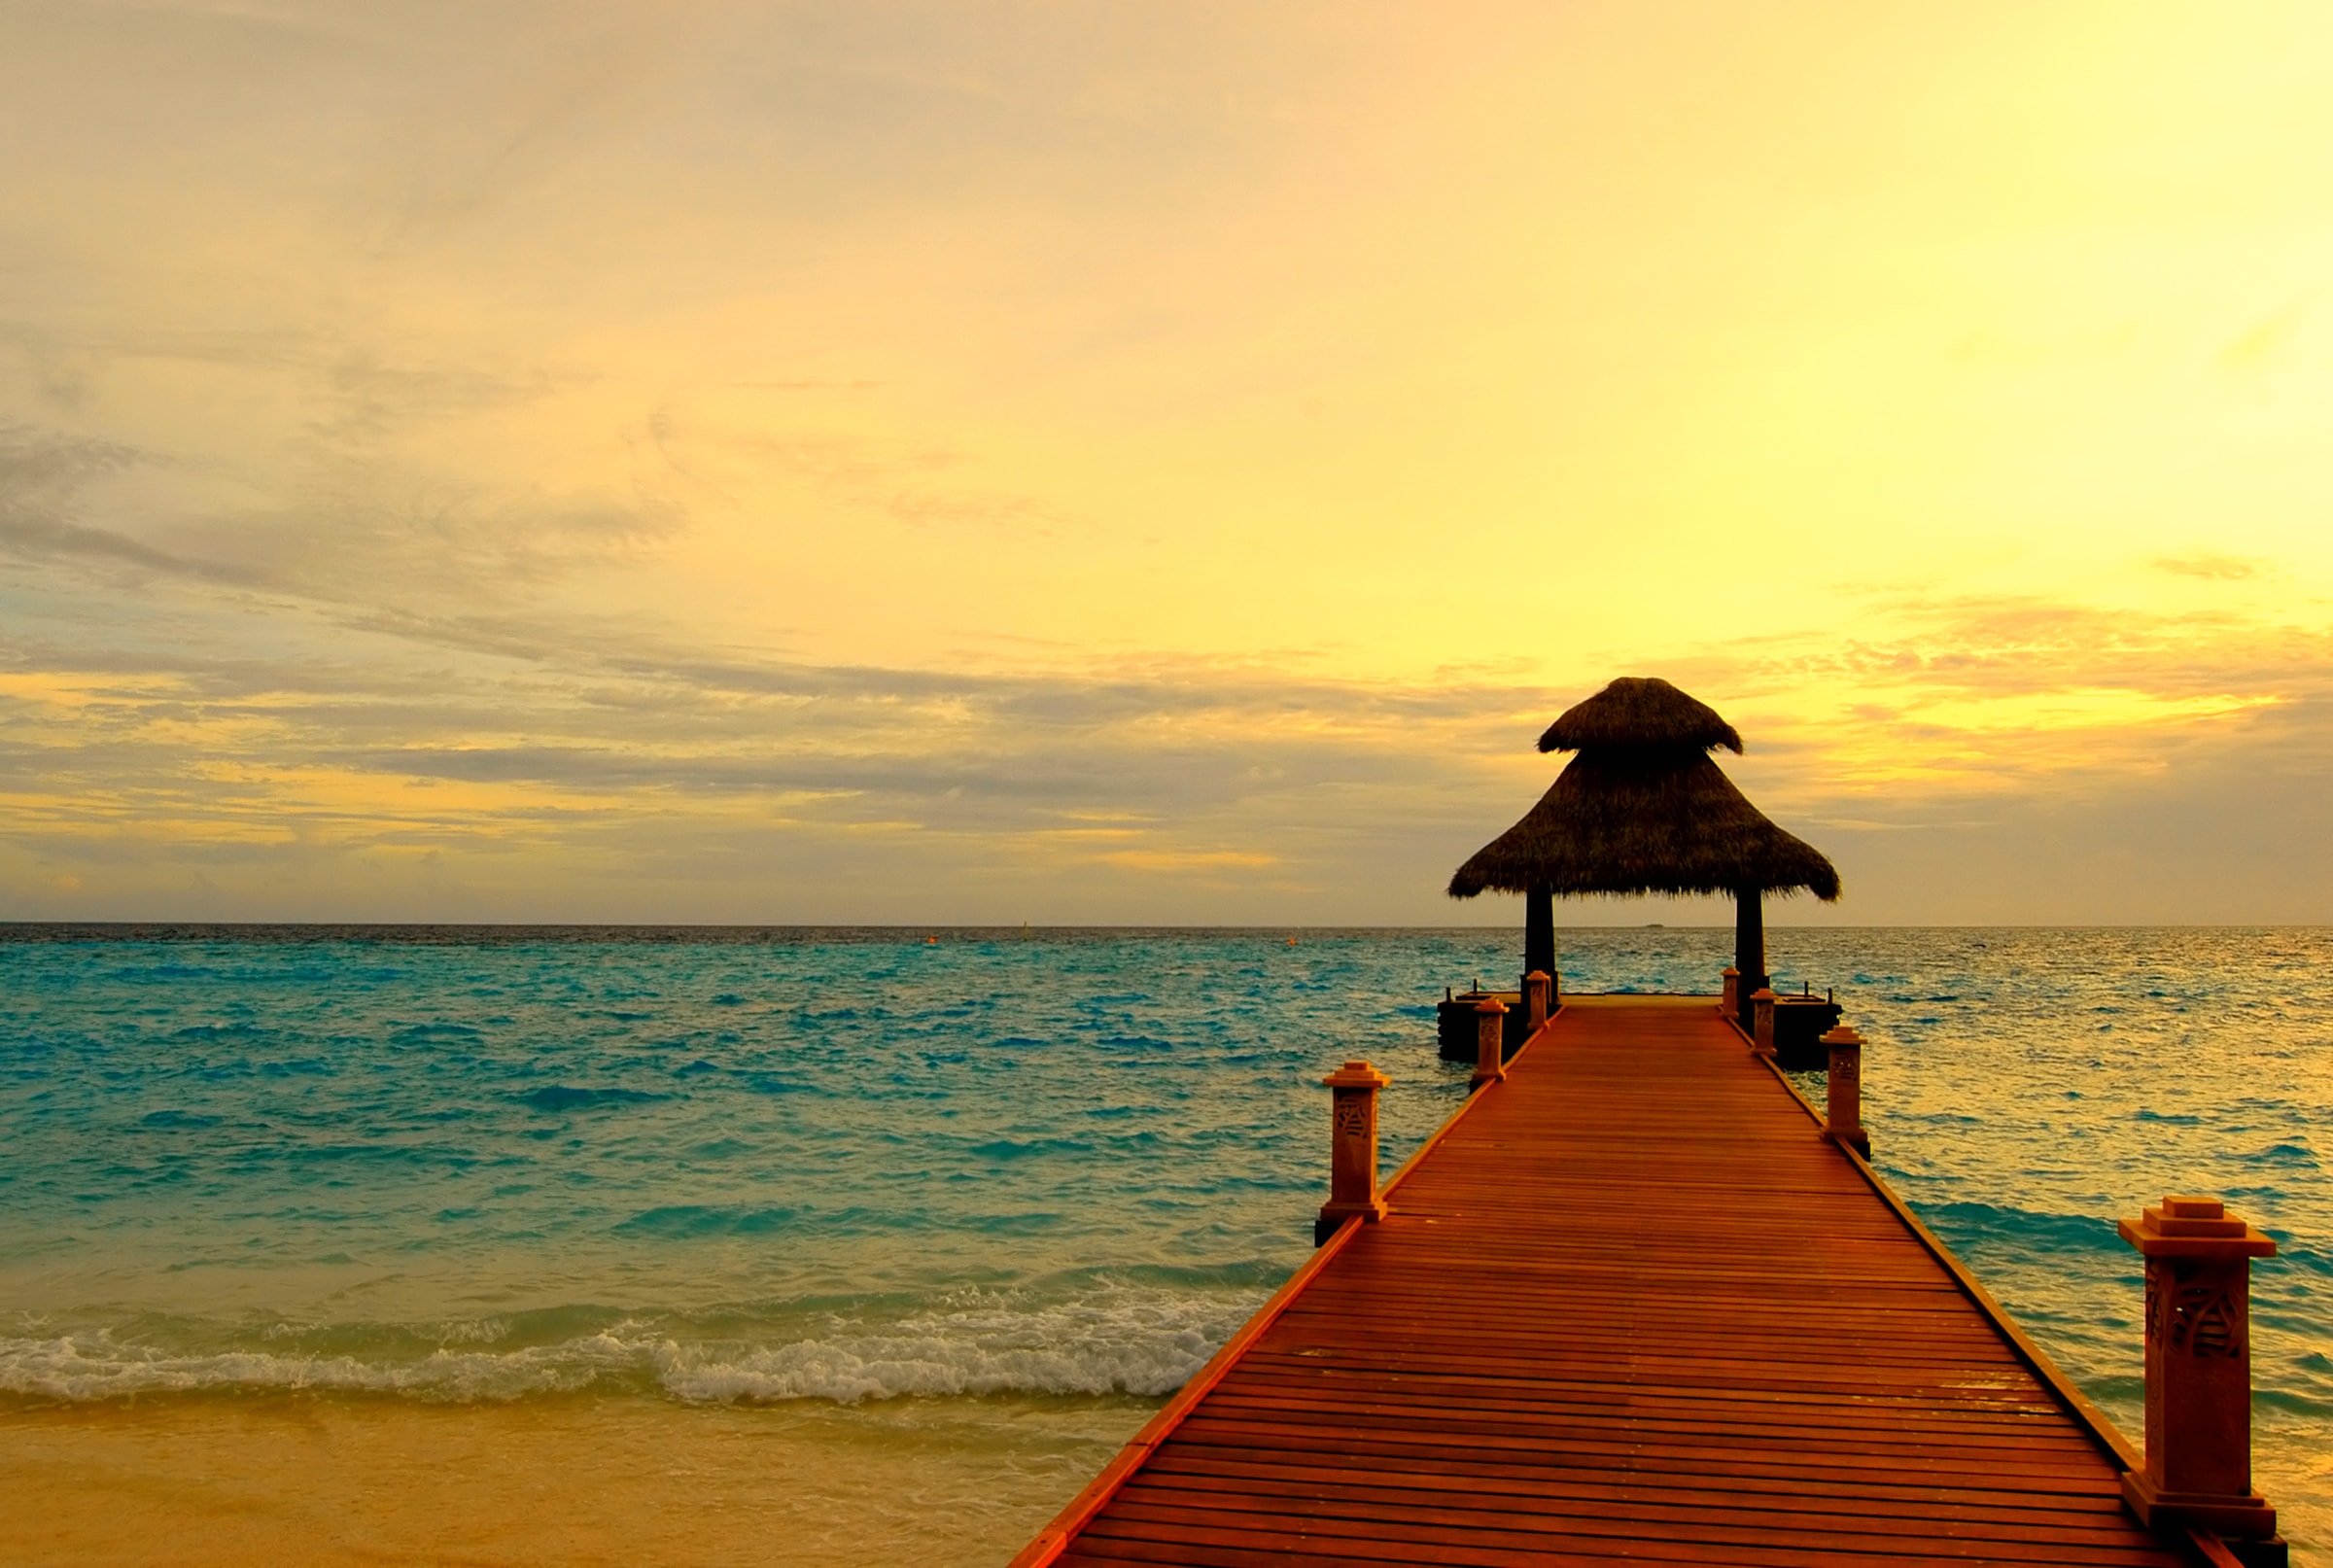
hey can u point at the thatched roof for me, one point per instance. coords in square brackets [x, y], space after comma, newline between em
[1644, 810]
[1620, 824]
[1640, 712]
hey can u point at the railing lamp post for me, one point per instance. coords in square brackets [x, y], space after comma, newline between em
[2199, 1376]
[1352, 1148]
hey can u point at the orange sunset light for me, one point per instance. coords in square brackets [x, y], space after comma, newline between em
[1157, 463]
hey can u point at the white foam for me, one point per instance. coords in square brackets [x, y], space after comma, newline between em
[1121, 1341]
[1131, 1345]
[96, 1367]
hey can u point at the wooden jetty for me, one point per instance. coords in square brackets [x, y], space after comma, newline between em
[1629, 1303]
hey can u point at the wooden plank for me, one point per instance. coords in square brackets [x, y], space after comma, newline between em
[1201, 1465]
[1564, 1515]
[1627, 1306]
[1711, 1456]
[1141, 1503]
[1214, 1540]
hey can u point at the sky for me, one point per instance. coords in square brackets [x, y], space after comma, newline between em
[1153, 462]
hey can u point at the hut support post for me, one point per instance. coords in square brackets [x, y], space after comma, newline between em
[1539, 930]
[1750, 947]
[2199, 1377]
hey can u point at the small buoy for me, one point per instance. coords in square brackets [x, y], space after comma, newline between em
[1292, 941]
[931, 941]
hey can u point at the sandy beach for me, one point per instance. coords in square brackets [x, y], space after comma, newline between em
[300, 1479]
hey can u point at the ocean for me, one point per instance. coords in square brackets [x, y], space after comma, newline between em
[870, 1246]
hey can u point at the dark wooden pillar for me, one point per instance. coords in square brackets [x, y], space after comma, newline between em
[1539, 930]
[1750, 945]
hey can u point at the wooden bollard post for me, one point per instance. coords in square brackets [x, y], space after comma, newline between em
[1731, 1005]
[1352, 1148]
[1535, 997]
[2199, 1374]
[1491, 1041]
[1761, 1033]
[1843, 1109]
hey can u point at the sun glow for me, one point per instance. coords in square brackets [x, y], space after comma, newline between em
[1254, 428]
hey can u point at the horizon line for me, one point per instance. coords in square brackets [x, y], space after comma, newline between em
[111, 926]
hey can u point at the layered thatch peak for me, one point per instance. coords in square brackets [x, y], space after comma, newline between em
[1640, 712]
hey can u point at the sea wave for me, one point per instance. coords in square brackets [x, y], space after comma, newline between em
[92, 1368]
[1145, 1347]
[1141, 1343]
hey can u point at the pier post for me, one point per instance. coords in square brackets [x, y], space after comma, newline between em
[1535, 997]
[1731, 1003]
[1843, 1110]
[2199, 1377]
[1761, 1030]
[1352, 1148]
[1491, 1041]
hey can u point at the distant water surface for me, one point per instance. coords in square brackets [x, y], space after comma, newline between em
[1001, 1184]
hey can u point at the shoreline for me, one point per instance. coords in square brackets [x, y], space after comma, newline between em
[223, 1479]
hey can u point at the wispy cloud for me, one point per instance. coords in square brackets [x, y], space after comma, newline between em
[591, 750]
[581, 744]
[2213, 567]
[1127, 461]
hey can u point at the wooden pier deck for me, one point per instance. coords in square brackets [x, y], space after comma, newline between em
[1629, 1304]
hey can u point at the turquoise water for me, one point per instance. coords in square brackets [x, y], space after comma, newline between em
[864, 1167]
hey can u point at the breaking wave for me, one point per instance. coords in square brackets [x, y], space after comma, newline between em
[1145, 1342]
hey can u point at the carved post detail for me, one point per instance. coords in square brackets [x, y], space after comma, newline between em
[1352, 1148]
[1535, 997]
[1761, 1032]
[1731, 1005]
[1843, 1111]
[2199, 1371]
[1491, 1041]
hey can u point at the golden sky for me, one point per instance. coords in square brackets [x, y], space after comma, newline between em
[1144, 463]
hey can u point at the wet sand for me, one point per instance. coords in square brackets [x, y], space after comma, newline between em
[583, 1481]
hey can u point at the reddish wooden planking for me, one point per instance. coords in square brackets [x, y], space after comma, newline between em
[1628, 1305]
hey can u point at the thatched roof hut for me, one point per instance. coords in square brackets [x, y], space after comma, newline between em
[1643, 809]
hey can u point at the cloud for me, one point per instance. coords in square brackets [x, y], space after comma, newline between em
[43, 477]
[895, 480]
[1177, 860]
[378, 678]
[363, 537]
[261, 748]
[541, 454]
[2213, 567]
[639, 772]
[37, 538]
[42, 470]
[1948, 709]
